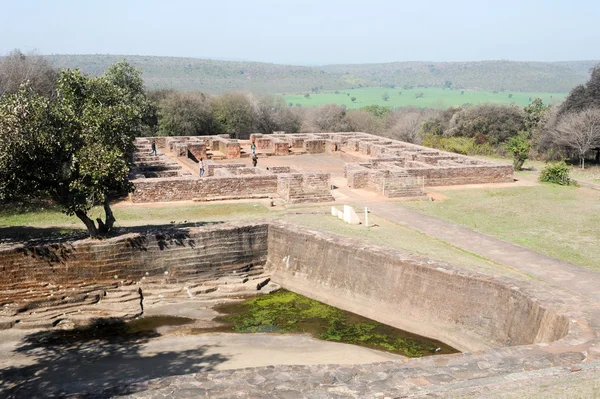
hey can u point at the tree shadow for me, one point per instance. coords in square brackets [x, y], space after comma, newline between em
[99, 360]
[31, 235]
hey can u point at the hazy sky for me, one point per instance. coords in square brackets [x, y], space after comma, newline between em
[307, 32]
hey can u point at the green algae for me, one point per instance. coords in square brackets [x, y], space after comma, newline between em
[287, 312]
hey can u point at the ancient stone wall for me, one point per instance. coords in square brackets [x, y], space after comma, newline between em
[181, 189]
[304, 187]
[426, 297]
[171, 255]
[446, 176]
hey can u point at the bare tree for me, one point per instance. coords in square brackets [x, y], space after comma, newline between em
[17, 68]
[408, 127]
[327, 118]
[579, 131]
[363, 121]
[271, 114]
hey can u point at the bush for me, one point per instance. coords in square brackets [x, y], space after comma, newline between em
[556, 173]
[519, 146]
[459, 145]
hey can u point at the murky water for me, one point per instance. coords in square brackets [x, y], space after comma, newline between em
[287, 312]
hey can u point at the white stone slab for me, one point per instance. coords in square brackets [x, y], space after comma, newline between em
[350, 215]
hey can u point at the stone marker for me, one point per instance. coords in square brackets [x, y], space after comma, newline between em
[340, 214]
[334, 211]
[350, 215]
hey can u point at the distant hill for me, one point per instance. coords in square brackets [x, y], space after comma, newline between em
[193, 74]
[480, 75]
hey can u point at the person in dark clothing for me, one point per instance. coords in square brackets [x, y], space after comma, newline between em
[153, 152]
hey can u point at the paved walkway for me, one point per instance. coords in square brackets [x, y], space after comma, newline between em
[551, 270]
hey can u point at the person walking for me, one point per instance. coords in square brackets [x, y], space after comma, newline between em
[153, 152]
[201, 167]
[254, 157]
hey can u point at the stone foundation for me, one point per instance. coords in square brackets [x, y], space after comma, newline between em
[520, 329]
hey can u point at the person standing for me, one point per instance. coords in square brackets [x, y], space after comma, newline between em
[201, 167]
[153, 152]
[254, 157]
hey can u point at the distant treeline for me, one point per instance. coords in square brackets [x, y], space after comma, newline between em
[211, 76]
[571, 129]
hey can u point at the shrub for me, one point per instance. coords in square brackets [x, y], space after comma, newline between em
[556, 173]
[519, 146]
[459, 145]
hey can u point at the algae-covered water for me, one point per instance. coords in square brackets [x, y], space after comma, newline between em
[287, 312]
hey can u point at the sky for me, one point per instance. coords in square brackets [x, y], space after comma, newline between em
[307, 32]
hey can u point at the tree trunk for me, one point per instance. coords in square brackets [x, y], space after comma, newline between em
[583, 162]
[89, 223]
[105, 227]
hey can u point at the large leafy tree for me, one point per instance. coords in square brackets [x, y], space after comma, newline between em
[583, 97]
[76, 149]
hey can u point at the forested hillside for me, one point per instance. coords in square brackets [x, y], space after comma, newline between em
[481, 75]
[193, 74]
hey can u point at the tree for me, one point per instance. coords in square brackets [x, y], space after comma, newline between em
[328, 118]
[270, 114]
[519, 145]
[76, 149]
[579, 131]
[407, 127]
[534, 114]
[583, 96]
[232, 113]
[496, 122]
[17, 68]
[185, 114]
[385, 96]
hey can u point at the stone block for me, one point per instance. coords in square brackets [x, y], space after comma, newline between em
[350, 215]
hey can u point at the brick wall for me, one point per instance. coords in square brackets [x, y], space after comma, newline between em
[170, 256]
[314, 146]
[181, 189]
[447, 176]
[304, 187]
[281, 148]
[197, 150]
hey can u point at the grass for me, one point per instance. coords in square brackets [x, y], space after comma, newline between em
[392, 235]
[590, 174]
[432, 97]
[561, 222]
[131, 215]
[316, 217]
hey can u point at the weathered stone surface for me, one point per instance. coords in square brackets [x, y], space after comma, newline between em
[532, 334]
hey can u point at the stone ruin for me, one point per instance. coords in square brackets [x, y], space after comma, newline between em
[509, 329]
[389, 167]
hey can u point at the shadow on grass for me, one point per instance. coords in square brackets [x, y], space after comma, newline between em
[40, 235]
[100, 360]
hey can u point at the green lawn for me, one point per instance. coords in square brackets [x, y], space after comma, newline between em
[432, 97]
[389, 234]
[49, 222]
[562, 222]
[131, 215]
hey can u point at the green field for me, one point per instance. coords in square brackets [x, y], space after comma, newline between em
[432, 97]
[561, 222]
